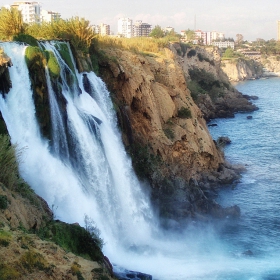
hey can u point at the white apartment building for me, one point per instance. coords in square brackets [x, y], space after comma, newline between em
[125, 27]
[49, 16]
[102, 29]
[141, 29]
[31, 11]
[224, 44]
[200, 36]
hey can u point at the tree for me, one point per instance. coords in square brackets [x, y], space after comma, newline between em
[157, 32]
[239, 39]
[190, 34]
[11, 23]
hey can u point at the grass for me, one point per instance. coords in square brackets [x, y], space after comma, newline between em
[53, 65]
[136, 45]
[32, 260]
[8, 272]
[5, 238]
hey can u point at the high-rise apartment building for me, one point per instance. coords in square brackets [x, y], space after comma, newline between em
[141, 29]
[102, 29]
[125, 27]
[31, 11]
[49, 16]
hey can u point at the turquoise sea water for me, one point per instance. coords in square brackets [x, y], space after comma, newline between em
[255, 144]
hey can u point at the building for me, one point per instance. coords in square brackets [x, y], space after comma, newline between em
[31, 11]
[224, 44]
[141, 29]
[214, 36]
[200, 37]
[102, 29]
[49, 16]
[125, 27]
[169, 29]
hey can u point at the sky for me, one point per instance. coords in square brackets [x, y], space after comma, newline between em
[251, 18]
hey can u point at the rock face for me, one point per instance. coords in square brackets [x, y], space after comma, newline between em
[5, 62]
[151, 92]
[164, 131]
[241, 69]
[209, 84]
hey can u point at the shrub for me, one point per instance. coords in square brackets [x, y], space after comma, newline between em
[184, 113]
[3, 202]
[191, 53]
[169, 133]
[5, 238]
[143, 160]
[8, 163]
[74, 238]
[31, 260]
[195, 89]
[7, 272]
[25, 38]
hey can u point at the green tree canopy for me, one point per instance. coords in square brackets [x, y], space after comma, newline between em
[11, 23]
[157, 32]
[190, 34]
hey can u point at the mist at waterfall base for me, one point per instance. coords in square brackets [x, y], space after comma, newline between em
[94, 177]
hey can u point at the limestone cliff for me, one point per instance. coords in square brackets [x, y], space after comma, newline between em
[165, 131]
[209, 83]
[271, 65]
[152, 92]
[242, 69]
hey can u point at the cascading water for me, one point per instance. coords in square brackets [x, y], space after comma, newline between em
[84, 169]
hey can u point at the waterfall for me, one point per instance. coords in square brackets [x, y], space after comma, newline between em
[84, 169]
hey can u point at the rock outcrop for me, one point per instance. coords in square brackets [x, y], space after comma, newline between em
[210, 85]
[164, 131]
[242, 69]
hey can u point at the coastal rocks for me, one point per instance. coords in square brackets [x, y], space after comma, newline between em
[242, 69]
[222, 141]
[124, 274]
[210, 86]
[229, 212]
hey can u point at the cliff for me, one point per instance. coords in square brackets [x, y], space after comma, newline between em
[242, 69]
[209, 83]
[164, 131]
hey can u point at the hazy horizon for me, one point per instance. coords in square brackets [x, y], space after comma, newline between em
[252, 19]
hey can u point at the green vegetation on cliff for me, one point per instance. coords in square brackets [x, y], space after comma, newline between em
[11, 23]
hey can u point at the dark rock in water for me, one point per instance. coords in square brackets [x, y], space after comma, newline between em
[248, 253]
[250, 97]
[128, 275]
[249, 117]
[223, 140]
[97, 120]
[213, 124]
[86, 84]
[219, 212]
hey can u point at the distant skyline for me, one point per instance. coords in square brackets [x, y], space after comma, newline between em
[252, 19]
